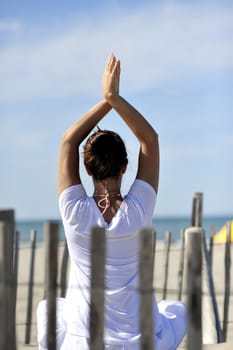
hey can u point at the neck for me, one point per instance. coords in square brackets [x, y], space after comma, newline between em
[107, 195]
[110, 186]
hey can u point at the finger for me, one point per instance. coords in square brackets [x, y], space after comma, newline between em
[118, 74]
[118, 67]
[112, 62]
[108, 63]
[109, 58]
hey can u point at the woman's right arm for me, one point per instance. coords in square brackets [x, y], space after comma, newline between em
[148, 165]
[68, 164]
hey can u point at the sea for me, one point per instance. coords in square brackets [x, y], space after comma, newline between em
[161, 225]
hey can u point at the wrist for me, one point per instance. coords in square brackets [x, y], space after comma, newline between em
[112, 98]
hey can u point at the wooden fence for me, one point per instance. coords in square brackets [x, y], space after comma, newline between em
[195, 263]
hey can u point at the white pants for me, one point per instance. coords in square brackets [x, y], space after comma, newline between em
[173, 320]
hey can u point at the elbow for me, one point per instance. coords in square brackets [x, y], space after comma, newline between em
[153, 136]
[151, 141]
[156, 135]
[68, 145]
[67, 139]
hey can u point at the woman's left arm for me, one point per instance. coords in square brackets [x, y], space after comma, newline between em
[68, 162]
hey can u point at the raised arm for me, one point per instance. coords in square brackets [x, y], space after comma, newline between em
[68, 162]
[148, 164]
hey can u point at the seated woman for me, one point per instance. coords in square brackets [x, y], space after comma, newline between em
[105, 159]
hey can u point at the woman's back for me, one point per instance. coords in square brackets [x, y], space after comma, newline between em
[80, 213]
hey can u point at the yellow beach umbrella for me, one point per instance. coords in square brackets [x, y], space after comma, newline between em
[220, 236]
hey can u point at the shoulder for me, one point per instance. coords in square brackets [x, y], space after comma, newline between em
[143, 195]
[136, 211]
[141, 188]
[71, 197]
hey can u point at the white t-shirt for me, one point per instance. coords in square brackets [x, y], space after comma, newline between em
[79, 214]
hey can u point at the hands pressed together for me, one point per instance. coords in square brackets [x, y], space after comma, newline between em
[111, 79]
[148, 165]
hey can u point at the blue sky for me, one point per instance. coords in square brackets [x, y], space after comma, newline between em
[177, 69]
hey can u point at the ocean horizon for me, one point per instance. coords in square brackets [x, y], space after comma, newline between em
[161, 224]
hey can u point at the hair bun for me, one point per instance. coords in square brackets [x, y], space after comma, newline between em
[105, 154]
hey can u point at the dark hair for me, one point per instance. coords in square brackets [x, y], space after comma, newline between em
[105, 154]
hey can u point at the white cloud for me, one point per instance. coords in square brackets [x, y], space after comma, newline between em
[17, 137]
[157, 45]
[200, 149]
[10, 26]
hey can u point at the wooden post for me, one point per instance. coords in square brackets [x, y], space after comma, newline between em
[97, 288]
[30, 288]
[197, 210]
[7, 281]
[7, 216]
[63, 275]
[3, 287]
[153, 249]
[194, 287]
[51, 241]
[212, 233]
[181, 266]
[227, 280]
[146, 290]
[212, 332]
[16, 261]
[167, 251]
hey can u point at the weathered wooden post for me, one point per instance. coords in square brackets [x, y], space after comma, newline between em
[211, 330]
[211, 243]
[146, 290]
[181, 266]
[227, 261]
[3, 287]
[98, 247]
[16, 261]
[154, 248]
[7, 281]
[51, 242]
[197, 209]
[63, 275]
[167, 251]
[194, 287]
[30, 288]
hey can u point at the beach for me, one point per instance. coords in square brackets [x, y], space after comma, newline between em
[172, 286]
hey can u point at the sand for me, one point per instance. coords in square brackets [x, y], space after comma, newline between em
[172, 293]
